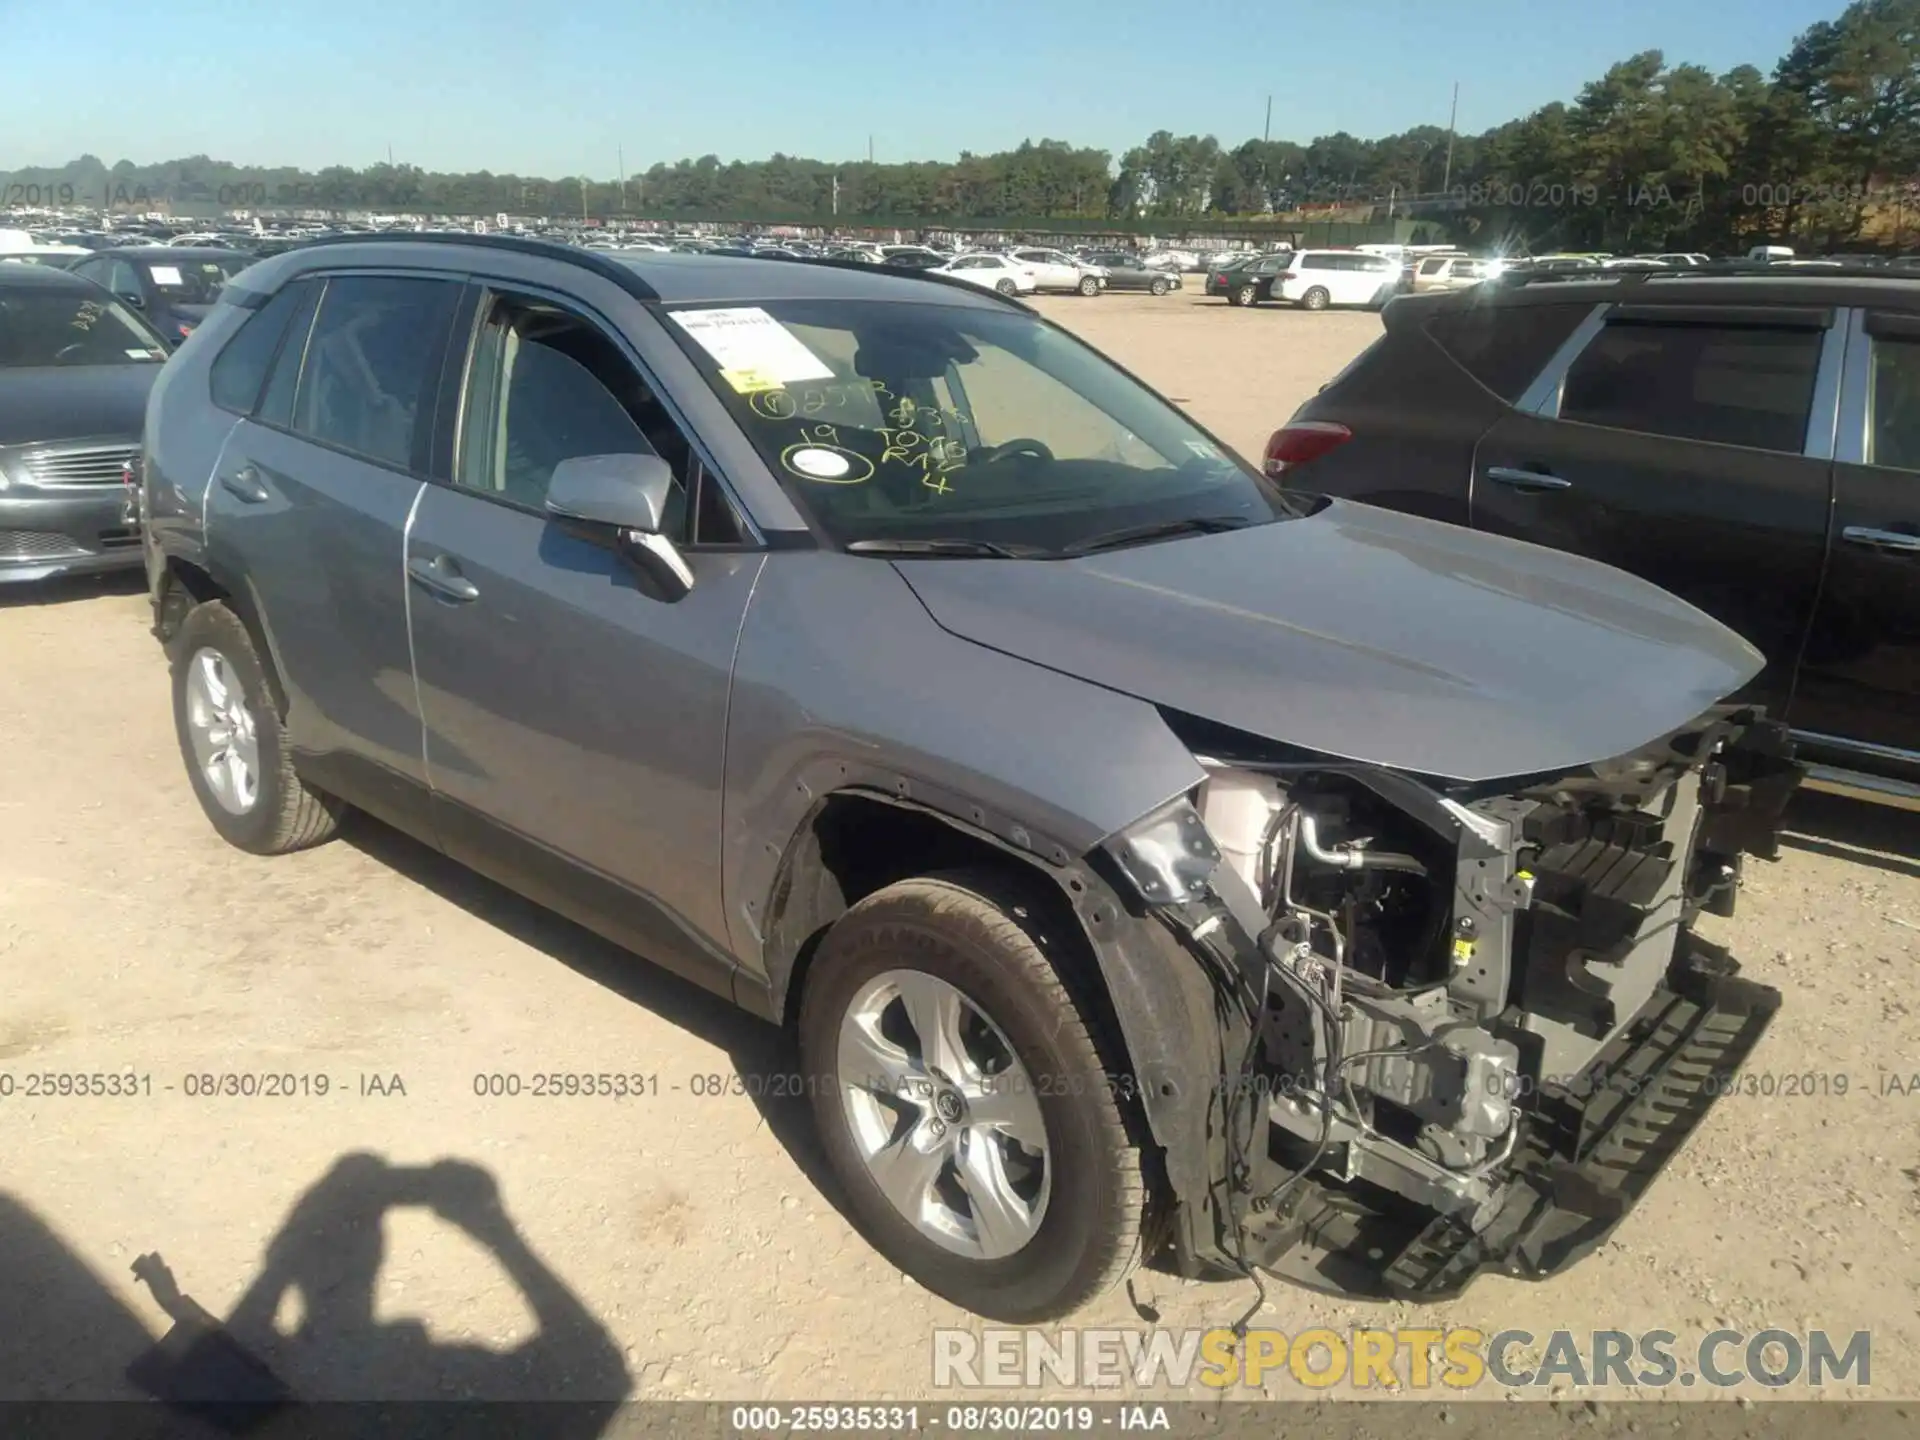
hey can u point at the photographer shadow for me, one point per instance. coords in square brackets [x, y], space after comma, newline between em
[248, 1375]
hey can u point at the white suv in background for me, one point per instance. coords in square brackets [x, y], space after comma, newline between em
[1057, 270]
[990, 272]
[1315, 279]
[1452, 272]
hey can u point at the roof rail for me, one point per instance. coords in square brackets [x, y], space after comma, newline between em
[625, 276]
[1520, 275]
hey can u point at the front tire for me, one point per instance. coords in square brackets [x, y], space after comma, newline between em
[1316, 299]
[1159, 287]
[1007, 287]
[963, 1101]
[1089, 285]
[233, 742]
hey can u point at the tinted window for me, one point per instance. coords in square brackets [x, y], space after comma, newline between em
[77, 326]
[545, 386]
[1504, 347]
[1317, 262]
[183, 280]
[241, 369]
[1697, 382]
[276, 404]
[1894, 436]
[373, 360]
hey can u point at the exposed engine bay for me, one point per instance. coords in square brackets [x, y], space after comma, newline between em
[1482, 1021]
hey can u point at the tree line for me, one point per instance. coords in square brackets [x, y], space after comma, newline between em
[1825, 151]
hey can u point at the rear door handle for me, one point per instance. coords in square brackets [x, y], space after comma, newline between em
[443, 578]
[245, 485]
[1527, 479]
[1880, 539]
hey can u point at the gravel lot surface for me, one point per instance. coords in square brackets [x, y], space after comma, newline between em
[685, 1244]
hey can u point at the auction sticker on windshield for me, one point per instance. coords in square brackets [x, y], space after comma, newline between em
[166, 275]
[755, 352]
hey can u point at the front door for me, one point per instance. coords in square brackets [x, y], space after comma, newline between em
[575, 716]
[1676, 447]
[1860, 679]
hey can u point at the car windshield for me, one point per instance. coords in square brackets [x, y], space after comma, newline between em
[67, 327]
[916, 422]
[184, 281]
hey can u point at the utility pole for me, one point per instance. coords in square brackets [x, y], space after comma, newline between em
[1453, 116]
[869, 149]
[583, 199]
[1267, 133]
[622, 153]
[836, 195]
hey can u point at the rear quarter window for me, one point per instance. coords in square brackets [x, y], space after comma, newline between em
[1505, 346]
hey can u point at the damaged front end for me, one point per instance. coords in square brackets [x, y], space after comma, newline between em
[1459, 1030]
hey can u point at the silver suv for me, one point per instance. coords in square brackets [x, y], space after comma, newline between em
[1147, 860]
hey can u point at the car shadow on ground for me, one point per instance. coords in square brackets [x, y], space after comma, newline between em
[68, 589]
[1882, 836]
[763, 1056]
[258, 1373]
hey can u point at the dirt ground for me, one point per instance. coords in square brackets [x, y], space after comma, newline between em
[683, 1244]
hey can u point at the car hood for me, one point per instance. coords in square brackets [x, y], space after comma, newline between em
[1363, 634]
[73, 402]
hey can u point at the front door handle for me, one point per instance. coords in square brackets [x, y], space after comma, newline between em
[1880, 539]
[245, 485]
[1527, 479]
[443, 578]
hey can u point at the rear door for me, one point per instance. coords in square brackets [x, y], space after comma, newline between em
[309, 508]
[1860, 678]
[1692, 447]
[1419, 400]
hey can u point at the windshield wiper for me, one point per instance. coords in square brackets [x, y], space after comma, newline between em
[939, 547]
[1161, 530]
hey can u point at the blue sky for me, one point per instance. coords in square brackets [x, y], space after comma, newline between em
[562, 88]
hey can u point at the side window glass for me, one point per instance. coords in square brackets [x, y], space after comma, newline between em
[1747, 387]
[1893, 431]
[240, 370]
[276, 402]
[373, 359]
[122, 280]
[1505, 346]
[545, 386]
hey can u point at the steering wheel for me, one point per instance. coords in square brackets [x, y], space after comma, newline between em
[987, 454]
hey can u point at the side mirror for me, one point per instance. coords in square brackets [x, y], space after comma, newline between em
[629, 493]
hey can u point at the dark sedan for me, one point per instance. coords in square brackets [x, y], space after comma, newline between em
[1125, 272]
[1248, 280]
[75, 368]
[174, 285]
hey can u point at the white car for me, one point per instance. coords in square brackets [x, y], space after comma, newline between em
[1171, 260]
[1315, 279]
[1452, 272]
[1057, 270]
[990, 272]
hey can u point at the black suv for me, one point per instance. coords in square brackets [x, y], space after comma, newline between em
[1747, 439]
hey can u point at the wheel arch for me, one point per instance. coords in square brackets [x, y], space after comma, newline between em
[1139, 983]
[183, 583]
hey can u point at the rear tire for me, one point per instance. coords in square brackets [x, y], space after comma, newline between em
[971, 936]
[1089, 285]
[1245, 295]
[229, 727]
[1316, 299]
